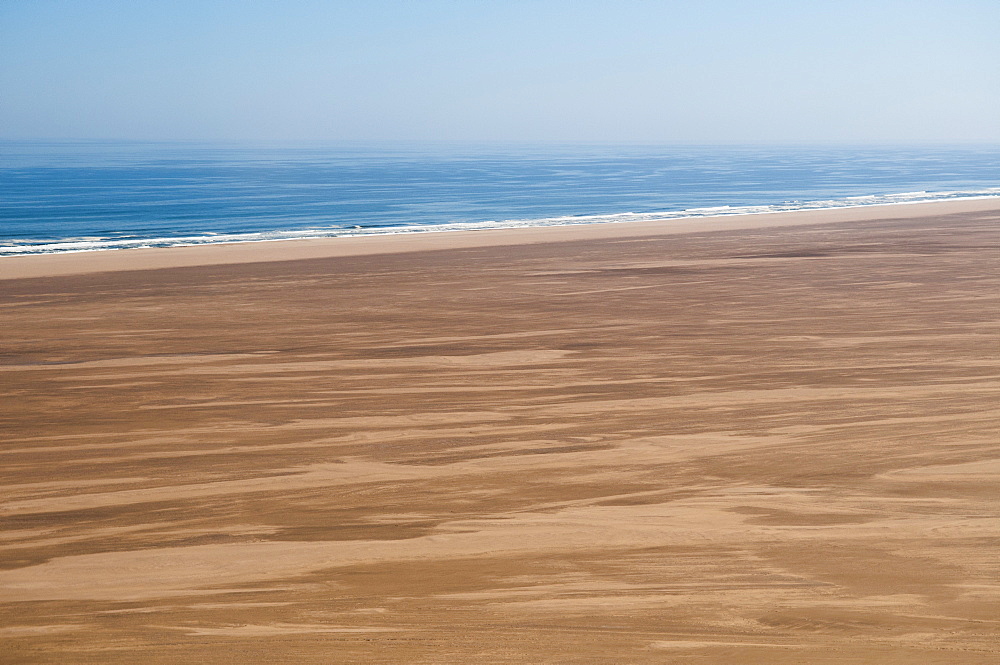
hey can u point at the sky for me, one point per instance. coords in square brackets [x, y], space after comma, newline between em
[686, 71]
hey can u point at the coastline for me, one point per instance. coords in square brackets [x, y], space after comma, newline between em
[76, 263]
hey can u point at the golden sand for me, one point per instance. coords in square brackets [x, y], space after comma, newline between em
[760, 440]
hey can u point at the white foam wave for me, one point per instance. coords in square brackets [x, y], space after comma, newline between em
[90, 244]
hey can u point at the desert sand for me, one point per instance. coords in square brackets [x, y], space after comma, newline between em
[760, 440]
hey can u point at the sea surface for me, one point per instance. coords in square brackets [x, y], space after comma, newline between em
[97, 195]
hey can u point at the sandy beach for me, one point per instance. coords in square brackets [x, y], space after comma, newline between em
[764, 440]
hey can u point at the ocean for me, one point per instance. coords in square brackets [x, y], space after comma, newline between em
[102, 195]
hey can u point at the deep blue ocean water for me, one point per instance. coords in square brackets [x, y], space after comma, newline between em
[75, 196]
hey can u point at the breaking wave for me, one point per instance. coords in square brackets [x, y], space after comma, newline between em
[94, 243]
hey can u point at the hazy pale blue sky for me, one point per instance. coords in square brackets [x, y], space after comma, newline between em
[705, 71]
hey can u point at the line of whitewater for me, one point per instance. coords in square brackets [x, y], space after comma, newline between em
[93, 244]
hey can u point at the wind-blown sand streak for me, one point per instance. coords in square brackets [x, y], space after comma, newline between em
[756, 444]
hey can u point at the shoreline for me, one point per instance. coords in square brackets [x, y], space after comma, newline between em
[85, 262]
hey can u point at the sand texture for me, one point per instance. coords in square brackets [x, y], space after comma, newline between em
[759, 446]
